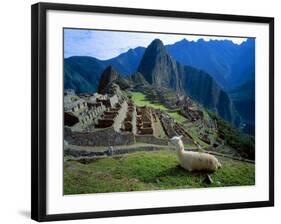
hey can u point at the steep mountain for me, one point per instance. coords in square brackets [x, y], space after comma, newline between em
[243, 98]
[110, 77]
[228, 63]
[160, 69]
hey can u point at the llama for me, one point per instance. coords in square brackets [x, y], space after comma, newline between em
[192, 161]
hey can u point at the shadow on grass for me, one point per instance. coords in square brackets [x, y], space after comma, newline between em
[177, 172]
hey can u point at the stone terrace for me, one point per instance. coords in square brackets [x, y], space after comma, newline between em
[100, 118]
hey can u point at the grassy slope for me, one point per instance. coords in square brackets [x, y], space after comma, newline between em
[148, 171]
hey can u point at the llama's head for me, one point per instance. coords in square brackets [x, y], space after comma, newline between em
[176, 140]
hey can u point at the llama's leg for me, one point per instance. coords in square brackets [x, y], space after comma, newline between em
[188, 168]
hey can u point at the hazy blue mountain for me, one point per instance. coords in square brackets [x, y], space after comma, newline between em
[128, 62]
[229, 64]
[82, 73]
[243, 98]
[160, 69]
[244, 67]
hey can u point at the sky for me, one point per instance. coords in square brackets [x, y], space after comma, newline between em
[108, 44]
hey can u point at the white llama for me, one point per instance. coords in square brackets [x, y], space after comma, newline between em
[194, 160]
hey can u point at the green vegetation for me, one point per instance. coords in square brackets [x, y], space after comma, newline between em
[179, 118]
[148, 171]
[194, 132]
[141, 100]
[244, 144]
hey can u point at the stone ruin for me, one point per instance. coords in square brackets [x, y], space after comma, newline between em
[110, 115]
[129, 124]
[144, 121]
[97, 119]
[192, 113]
[109, 102]
[85, 110]
[172, 128]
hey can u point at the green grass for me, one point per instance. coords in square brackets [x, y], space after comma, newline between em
[193, 131]
[179, 118]
[142, 171]
[141, 100]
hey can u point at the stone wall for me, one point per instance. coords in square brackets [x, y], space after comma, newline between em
[113, 100]
[129, 124]
[105, 137]
[150, 139]
[118, 121]
[134, 120]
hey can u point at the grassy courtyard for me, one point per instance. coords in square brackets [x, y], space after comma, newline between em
[142, 171]
[141, 100]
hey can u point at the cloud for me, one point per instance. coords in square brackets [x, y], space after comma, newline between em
[108, 44]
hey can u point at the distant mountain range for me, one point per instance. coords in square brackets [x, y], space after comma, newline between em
[82, 73]
[231, 65]
[211, 72]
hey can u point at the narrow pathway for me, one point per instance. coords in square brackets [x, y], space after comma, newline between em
[119, 147]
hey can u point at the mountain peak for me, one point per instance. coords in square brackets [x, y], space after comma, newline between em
[155, 57]
[184, 40]
[156, 44]
[109, 69]
[157, 41]
[107, 77]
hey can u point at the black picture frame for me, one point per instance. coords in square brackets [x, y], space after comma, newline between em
[39, 122]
